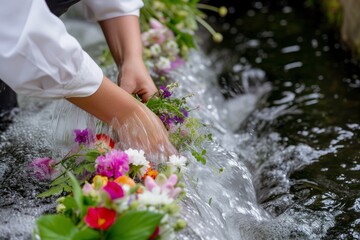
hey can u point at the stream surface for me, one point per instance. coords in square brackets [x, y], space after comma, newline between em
[282, 97]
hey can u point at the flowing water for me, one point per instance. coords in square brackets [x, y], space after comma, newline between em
[282, 99]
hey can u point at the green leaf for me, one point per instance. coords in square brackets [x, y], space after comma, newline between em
[78, 194]
[53, 191]
[91, 155]
[87, 234]
[70, 203]
[137, 225]
[55, 227]
[59, 180]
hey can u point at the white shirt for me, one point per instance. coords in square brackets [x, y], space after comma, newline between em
[37, 55]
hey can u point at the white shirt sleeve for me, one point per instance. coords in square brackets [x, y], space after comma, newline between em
[97, 10]
[37, 55]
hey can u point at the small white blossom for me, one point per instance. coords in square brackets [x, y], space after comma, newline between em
[155, 50]
[172, 48]
[155, 197]
[137, 158]
[163, 63]
[178, 161]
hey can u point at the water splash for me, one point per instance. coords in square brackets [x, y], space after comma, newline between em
[222, 196]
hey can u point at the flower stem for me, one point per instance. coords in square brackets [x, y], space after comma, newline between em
[207, 7]
[205, 25]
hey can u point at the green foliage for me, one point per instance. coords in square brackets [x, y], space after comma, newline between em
[189, 135]
[136, 225]
[48, 228]
[81, 163]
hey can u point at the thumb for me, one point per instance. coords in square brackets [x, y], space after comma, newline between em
[145, 97]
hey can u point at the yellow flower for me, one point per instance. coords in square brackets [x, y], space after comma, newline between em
[99, 182]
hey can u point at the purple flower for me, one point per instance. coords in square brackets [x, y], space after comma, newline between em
[184, 112]
[82, 136]
[178, 119]
[166, 119]
[113, 164]
[166, 93]
[43, 168]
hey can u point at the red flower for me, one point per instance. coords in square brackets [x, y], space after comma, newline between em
[100, 218]
[106, 139]
[155, 233]
[114, 190]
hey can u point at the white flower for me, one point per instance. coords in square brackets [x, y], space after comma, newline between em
[172, 47]
[178, 161]
[163, 63]
[155, 197]
[155, 50]
[137, 158]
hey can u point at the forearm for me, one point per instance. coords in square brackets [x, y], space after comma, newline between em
[124, 38]
[108, 103]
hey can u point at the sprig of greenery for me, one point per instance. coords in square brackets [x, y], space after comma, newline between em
[81, 163]
[187, 135]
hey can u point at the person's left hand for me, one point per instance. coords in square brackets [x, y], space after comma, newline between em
[134, 78]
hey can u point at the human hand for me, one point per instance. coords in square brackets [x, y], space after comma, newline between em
[142, 129]
[135, 79]
[136, 125]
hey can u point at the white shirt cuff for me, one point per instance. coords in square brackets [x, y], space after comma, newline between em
[98, 10]
[87, 81]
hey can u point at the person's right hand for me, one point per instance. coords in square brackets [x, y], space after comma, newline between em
[142, 129]
[137, 126]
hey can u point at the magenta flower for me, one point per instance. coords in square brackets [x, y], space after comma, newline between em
[113, 164]
[114, 190]
[83, 136]
[43, 168]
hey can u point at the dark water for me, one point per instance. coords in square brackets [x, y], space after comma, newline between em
[314, 102]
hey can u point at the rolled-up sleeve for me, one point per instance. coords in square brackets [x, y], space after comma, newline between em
[37, 55]
[97, 10]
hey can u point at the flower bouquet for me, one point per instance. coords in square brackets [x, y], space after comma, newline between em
[123, 195]
[126, 199]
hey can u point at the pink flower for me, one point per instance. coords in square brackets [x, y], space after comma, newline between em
[43, 168]
[157, 36]
[87, 188]
[100, 218]
[165, 184]
[113, 164]
[177, 63]
[114, 190]
[155, 24]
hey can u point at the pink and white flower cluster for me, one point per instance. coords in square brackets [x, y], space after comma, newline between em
[114, 192]
[161, 50]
